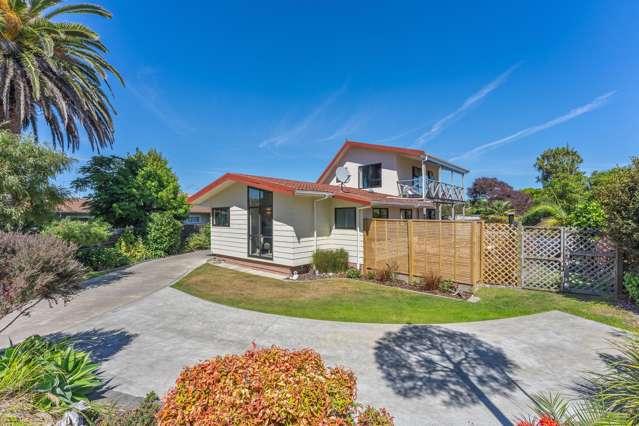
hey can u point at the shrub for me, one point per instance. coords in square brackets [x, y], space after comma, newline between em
[36, 267]
[431, 281]
[163, 234]
[387, 273]
[142, 415]
[631, 282]
[79, 232]
[353, 273]
[266, 386]
[550, 214]
[446, 286]
[371, 416]
[102, 258]
[330, 260]
[200, 240]
[132, 246]
[53, 374]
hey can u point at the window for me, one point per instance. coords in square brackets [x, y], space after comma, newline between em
[221, 216]
[406, 213]
[370, 176]
[193, 220]
[345, 218]
[260, 223]
[380, 213]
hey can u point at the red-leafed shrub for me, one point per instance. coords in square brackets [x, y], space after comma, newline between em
[36, 267]
[266, 386]
[543, 421]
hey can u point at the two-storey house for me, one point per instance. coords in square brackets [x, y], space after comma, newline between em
[279, 223]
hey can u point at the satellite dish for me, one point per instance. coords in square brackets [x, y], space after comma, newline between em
[342, 175]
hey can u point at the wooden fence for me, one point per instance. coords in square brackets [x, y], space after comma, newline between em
[552, 259]
[419, 248]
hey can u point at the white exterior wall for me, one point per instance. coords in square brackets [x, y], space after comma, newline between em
[357, 157]
[293, 232]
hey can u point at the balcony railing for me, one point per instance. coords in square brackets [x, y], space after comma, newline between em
[435, 190]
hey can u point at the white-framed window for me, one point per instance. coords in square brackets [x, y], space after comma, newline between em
[193, 220]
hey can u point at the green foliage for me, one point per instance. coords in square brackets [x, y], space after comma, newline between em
[125, 191]
[200, 240]
[55, 374]
[495, 211]
[370, 275]
[353, 273]
[567, 191]
[546, 214]
[142, 415]
[588, 214]
[618, 193]
[82, 233]
[557, 161]
[264, 386]
[325, 261]
[631, 282]
[28, 198]
[55, 71]
[446, 286]
[370, 416]
[163, 234]
[36, 267]
[132, 246]
[102, 258]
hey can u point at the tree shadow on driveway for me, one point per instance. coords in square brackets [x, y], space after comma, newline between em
[101, 344]
[433, 361]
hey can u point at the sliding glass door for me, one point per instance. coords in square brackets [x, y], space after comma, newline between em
[260, 223]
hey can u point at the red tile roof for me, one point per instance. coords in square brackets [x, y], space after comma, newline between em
[289, 187]
[417, 153]
[77, 206]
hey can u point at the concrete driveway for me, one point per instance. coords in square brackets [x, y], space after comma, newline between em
[460, 374]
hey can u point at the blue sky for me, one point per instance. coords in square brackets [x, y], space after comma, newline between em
[274, 88]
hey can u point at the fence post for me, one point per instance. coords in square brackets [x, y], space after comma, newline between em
[481, 251]
[410, 250]
[564, 270]
[522, 255]
[618, 271]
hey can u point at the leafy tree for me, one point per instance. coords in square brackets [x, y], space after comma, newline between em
[619, 197]
[163, 234]
[588, 214]
[79, 232]
[557, 161]
[124, 191]
[27, 195]
[54, 70]
[567, 190]
[493, 189]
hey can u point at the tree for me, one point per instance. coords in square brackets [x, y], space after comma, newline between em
[588, 214]
[125, 191]
[27, 195]
[619, 197]
[493, 189]
[493, 211]
[557, 161]
[55, 70]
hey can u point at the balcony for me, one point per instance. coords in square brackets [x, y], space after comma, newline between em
[435, 190]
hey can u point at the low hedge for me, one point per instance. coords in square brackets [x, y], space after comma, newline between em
[326, 261]
[267, 386]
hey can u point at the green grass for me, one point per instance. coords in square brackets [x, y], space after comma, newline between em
[360, 301]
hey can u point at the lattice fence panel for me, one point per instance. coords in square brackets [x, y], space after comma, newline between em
[590, 264]
[542, 258]
[501, 254]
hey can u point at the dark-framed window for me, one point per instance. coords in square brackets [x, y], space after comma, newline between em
[221, 216]
[260, 223]
[406, 213]
[370, 176]
[345, 218]
[380, 213]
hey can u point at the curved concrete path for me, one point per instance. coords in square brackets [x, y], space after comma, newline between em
[460, 374]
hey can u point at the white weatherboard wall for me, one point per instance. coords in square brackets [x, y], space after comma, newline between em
[293, 236]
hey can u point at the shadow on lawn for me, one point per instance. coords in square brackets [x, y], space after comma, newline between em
[101, 344]
[421, 361]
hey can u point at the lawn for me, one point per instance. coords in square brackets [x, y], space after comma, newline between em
[360, 301]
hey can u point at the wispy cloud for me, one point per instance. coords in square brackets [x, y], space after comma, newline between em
[345, 130]
[145, 90]
[299, 128]
[441, 124]
[596, 103]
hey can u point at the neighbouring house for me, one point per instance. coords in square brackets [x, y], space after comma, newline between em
[279, 223]
[79, 209]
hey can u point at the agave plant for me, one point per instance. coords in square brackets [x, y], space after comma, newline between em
[55, 69]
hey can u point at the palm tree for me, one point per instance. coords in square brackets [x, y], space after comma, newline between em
[493, 211]
[55, 69]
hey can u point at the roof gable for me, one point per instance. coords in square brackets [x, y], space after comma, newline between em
[348, 145]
